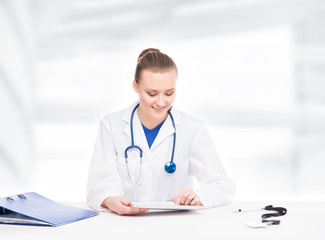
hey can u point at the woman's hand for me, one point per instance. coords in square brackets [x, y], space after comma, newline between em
[121, 206]
[187, 197]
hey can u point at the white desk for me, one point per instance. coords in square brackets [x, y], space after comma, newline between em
[304, 220]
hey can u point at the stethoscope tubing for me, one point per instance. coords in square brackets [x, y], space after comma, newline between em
[132, 138]
[173, 122]
[170, 167]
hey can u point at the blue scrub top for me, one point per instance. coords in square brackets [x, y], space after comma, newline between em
[151, 134]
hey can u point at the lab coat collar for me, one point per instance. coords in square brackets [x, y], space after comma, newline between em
[127, 113]
[166, 129]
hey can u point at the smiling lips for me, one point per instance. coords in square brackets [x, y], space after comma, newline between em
[158, 109]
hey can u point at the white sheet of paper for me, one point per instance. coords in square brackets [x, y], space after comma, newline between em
[20, 219]
[165, 206]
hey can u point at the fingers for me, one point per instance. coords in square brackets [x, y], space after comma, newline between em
[187, 197]
[128, 210]
[132, 211]
[125, 202]
[176, 200]
[196, 202]
[121, 206]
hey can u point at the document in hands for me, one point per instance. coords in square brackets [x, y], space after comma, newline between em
[164, 206]
[33, 209]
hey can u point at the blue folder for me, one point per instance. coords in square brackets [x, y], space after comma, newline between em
[33, 209]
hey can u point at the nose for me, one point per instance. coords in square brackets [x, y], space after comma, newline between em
[161, 101]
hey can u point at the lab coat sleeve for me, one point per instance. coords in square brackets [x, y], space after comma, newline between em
[215, 187]
[103, 177]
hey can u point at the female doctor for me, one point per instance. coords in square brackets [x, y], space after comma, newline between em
[151, 151]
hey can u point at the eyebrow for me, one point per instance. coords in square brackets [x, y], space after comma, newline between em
[149, 89]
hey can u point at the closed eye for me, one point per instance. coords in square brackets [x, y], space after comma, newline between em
[151, 94]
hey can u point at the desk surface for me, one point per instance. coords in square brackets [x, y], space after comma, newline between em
[304, 219]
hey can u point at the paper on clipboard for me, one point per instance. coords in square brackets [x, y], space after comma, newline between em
[164, 206]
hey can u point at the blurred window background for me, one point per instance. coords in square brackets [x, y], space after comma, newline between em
[252, 70]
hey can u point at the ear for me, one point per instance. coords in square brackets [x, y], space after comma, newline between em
[135, 86]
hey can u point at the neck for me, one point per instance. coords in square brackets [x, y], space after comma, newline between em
[147, 121]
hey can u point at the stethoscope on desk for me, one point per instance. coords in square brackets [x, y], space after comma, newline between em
[278, 211]
[170, 167]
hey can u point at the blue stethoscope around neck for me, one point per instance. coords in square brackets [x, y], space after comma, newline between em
[170, 167]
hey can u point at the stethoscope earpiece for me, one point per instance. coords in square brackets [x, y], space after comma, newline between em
[170, 167]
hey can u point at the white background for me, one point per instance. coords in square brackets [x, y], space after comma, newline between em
[252, 70]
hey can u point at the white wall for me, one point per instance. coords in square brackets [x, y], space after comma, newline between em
[240, 71]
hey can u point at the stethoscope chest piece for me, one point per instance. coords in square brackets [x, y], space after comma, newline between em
[170, 167]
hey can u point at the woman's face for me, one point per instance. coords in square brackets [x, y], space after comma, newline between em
[156, 94]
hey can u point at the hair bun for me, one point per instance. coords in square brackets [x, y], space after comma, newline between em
[148, 50]
[153, 60]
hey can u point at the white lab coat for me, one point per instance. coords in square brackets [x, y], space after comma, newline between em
[195, 156]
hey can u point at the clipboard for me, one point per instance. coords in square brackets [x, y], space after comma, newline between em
[169, 205]
[34, 209]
